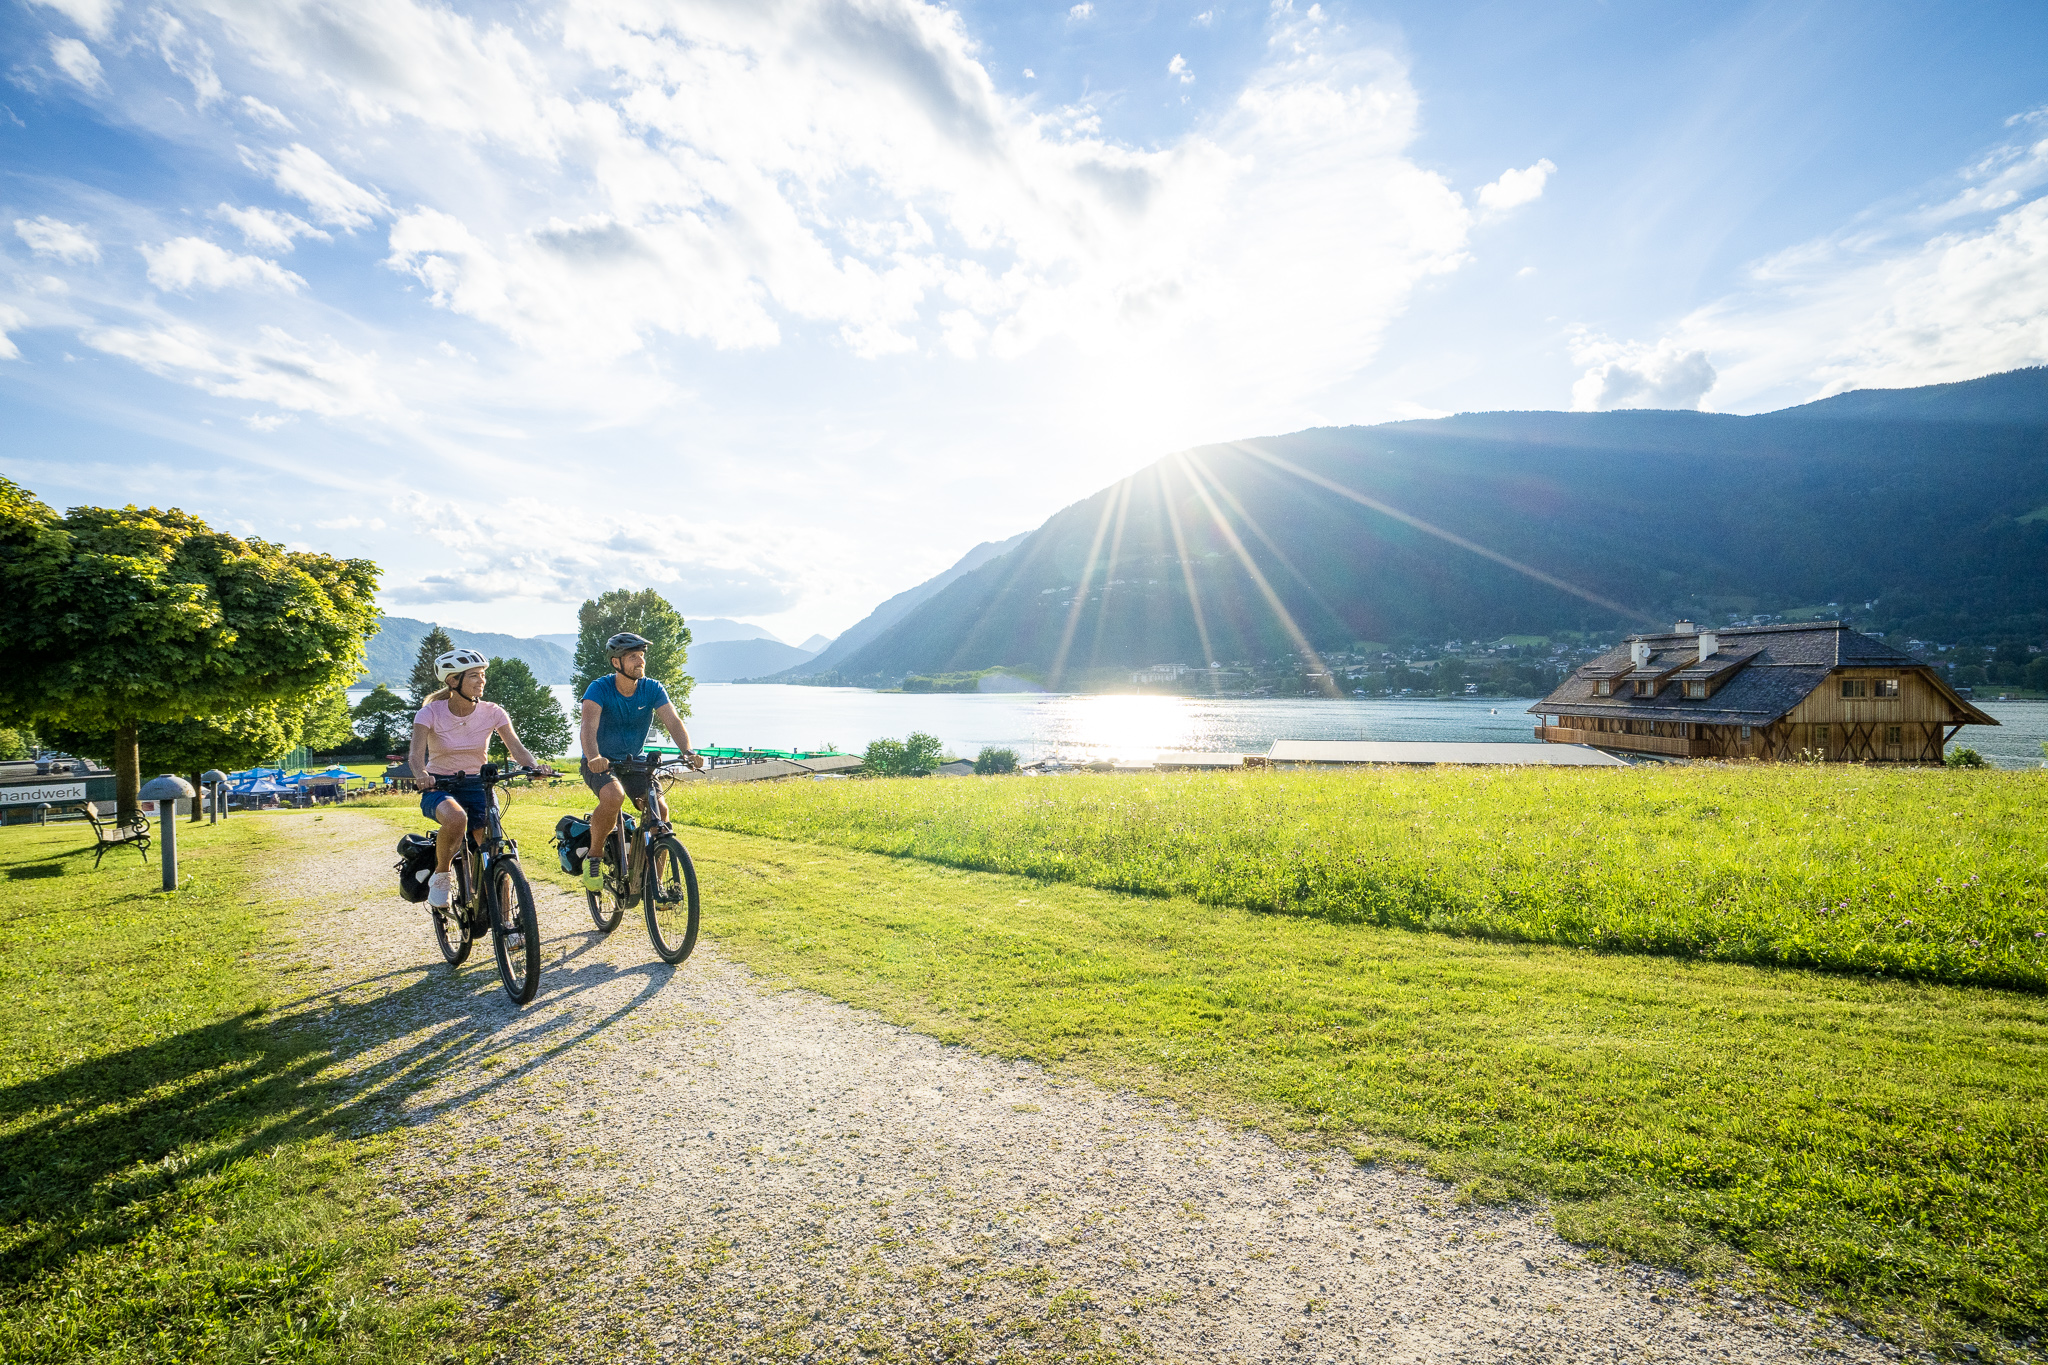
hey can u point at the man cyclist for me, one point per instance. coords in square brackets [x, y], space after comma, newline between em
[618, 710]
[456, 723]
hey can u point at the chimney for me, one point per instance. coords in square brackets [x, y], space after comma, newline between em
[1709, 642]
[1639, 652]
[1684, 628]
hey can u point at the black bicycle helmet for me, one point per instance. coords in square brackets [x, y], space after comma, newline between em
[624, 642]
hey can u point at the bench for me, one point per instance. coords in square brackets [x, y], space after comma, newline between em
[107, 836]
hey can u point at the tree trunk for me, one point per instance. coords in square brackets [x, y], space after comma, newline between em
[127, 775]
[199, 792]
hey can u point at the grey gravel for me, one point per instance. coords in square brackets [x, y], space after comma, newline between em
[737, 1172]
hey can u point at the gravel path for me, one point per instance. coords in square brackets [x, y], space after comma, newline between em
[741, 1174]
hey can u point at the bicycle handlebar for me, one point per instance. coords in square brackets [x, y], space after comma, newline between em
[491, 773]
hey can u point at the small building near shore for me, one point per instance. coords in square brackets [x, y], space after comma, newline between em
[1818, 691]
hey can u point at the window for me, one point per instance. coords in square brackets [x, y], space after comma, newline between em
[1892, 734]
[1855, 687]
[1745, 732]
[1885, 687]
[1604, 687]
[1646, 689]
[1696, 690]
[1820, 734]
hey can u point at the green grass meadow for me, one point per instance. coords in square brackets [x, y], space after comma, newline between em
[171, 1188]
[1936, 875]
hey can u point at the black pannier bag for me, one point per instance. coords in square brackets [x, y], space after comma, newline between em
[572, 843]
[415, 865]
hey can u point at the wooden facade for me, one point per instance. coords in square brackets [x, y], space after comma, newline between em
[1816, 694]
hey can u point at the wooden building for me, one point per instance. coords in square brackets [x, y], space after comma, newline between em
[1777, 693]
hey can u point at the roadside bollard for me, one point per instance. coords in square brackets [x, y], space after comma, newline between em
[216, 794]
[42, 812]
[167, 791]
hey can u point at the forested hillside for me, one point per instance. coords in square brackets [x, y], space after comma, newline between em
[1929, 505]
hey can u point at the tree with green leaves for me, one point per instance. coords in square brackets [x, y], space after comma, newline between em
[115, 618]
[917, 756]
[537, 718]
[424, 679]
[992, 760]
[645, 613]
[16, 744]
[382, 721]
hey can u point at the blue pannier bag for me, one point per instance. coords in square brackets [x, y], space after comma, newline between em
[572, 843]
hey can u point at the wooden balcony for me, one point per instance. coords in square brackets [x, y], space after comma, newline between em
[1612, 739]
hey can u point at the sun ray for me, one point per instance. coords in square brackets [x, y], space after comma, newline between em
[1080, 603]
[1197, 475]
[1236, 505]
[1187, 577]
[1450, 536]
[1116, 546]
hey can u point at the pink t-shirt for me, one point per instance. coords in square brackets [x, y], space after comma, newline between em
[459, 744]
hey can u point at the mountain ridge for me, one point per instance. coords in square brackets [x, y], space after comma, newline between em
[1484, 524]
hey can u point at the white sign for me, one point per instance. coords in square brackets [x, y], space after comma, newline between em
[52, 792]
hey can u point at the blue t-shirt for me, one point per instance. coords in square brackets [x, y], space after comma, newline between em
[622, 722]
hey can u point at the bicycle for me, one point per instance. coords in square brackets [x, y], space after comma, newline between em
[492, 866]
[648, 867]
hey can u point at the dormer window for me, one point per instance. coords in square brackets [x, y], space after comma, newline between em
[1696, 691]
[1603, 687]
[1647, 688]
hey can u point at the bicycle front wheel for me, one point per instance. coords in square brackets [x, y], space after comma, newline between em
[606, 903]
[515, 931]
[671, 899]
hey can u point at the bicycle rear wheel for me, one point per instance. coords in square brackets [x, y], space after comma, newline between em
[451, 927]
[518, 946]
[671, 899]
[606, 905]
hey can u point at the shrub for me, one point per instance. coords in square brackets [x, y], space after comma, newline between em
[1963, 758]
[917, 756]
[994, 760]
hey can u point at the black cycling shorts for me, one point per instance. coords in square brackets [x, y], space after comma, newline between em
[634, 783]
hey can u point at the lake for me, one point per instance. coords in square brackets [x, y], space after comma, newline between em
[1038, 725]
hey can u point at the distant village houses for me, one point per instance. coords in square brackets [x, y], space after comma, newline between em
[1777, 693]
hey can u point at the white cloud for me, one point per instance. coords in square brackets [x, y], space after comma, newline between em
[266, 115]
[184, 262]
[300, 171]
[11, 320]
[268, 227]
[1084, 10]
[1179, 67]
[1204, 19]
[188, 56]
[1875, 308]
[1626, 376]
[75, 60]
[1516, 188]
[277, 368]
[49, 237]
[519, 547]
[1029, 74]
[95, 17]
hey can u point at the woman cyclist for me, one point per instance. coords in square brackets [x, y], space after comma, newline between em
[456, 725]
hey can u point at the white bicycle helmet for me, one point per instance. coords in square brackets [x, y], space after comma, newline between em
[457, 661]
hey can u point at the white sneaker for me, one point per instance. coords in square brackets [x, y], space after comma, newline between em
[437, 891]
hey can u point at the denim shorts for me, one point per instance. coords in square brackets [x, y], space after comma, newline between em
[469, 792]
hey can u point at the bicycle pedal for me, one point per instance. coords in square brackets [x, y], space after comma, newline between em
[514, 942]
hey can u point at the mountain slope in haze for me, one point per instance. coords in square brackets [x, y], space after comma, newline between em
[396, 644]
[1918, 501]
[724, 660]
[854, 637]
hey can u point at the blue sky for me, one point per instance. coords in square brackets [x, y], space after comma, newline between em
[779, 306]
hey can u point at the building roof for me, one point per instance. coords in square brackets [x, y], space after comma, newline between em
[1766, 671]
[1425, 751]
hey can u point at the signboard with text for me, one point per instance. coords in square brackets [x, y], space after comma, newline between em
[52, 792]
